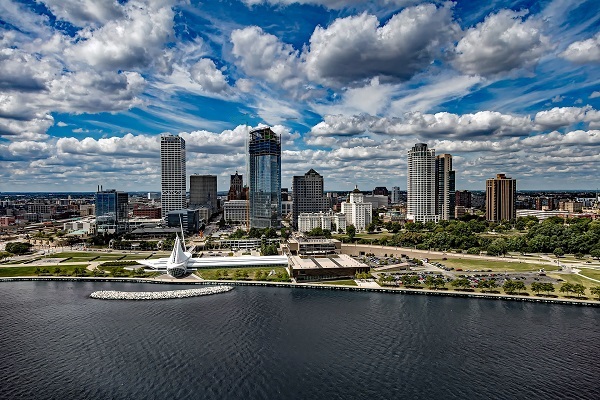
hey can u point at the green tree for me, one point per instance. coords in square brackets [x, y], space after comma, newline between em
[461, 283]
[18, 247]
[351, 232]
[595, 291]
[519, 286]
[579, 289]
[558, 252]
[537, 287]
[595, 253]
[509, 286]
[566, 288]
[57, 271]
[548, 287]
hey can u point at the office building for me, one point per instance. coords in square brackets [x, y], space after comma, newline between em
[308, 195]
[188, 219]
[462, 198]
[358, 213]
[444, 187]
[500, 198]
[420, 185]
[111, 211]
[264, 151]
[395, 195]
[236, 211]
[381, 191]
[334, 222]
[236, 187]
[173, 174]
[203, 192]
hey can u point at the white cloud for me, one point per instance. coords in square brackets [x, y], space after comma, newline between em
[584, 51]
[84, 12]
[501, 43]
[132, 42]
[357, 48]
[558, 98]
[562, 116]
[594, 95]
[206, 74]
[264, 56]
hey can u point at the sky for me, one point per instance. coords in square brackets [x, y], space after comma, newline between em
[88, 86]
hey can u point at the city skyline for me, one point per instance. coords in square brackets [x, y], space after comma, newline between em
[87, 90]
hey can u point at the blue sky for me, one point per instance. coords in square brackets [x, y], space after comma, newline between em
[87, 87]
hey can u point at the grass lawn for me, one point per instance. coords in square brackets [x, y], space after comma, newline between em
[471, 264]
[572, 278]
[591, 273]
[30, 270]
[219, 273]
[348, 282]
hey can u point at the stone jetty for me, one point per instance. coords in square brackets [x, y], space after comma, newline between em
[168, 294]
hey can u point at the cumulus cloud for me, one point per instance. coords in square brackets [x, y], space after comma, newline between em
[206, 74]
[564, 116]
[584, 51]
[84, 12]
[264, 56]
[594, 95]
[356, 48]
[502, 42]
[134, 41]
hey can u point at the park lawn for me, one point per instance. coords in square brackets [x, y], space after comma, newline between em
[572, 278]
[6, 272]
[217, 273]
[373, 236]
[347, 282]
[591, 273]
[471, 264]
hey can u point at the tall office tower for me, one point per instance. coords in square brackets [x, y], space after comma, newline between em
[395, 195]
[236, 187]
[420, 185]
[463, 198]
[500, 198]
[445, 179]
[173, 177]
[111, 211]
[358, 213]
[203, 192]
[308, 195]
[264, 153]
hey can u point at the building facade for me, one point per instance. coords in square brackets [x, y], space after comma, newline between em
[203, 192]
[462, 198]
[331, 221]
[357, 212]
[500, 198]
[445, 189]
[395, 195]
[188, 219]
[173, 174]
[111, 211]
[264, 151]
[236, 211]
[308, 195]
[236, 187]
[420, 185]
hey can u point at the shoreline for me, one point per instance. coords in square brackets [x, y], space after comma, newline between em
[322, 286]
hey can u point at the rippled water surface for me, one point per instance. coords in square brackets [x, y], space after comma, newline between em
[276, 343]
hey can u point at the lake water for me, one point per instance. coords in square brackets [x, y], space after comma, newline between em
[279, 343]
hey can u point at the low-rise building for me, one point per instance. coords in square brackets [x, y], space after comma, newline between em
[312, 246]
[236, 211]
[324, 220]
[337, 266]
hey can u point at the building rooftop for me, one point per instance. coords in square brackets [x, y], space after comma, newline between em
[332, 261]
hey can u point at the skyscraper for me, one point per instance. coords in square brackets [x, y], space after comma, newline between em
[111, 211]
[444, 187]
[264, 151]
[173, 176]
[500, 198]
[236, 187]
[420, 185]
[395, 195]
[307, 195]
[203, 192]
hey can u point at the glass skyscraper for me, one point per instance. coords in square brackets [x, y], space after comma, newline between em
[111, 211]
[264, 152]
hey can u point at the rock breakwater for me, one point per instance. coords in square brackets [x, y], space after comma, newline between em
[168, 294]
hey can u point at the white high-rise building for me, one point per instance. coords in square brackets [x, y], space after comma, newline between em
[173, 176]
[358, 213]
[421, 185]
[324, 220]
